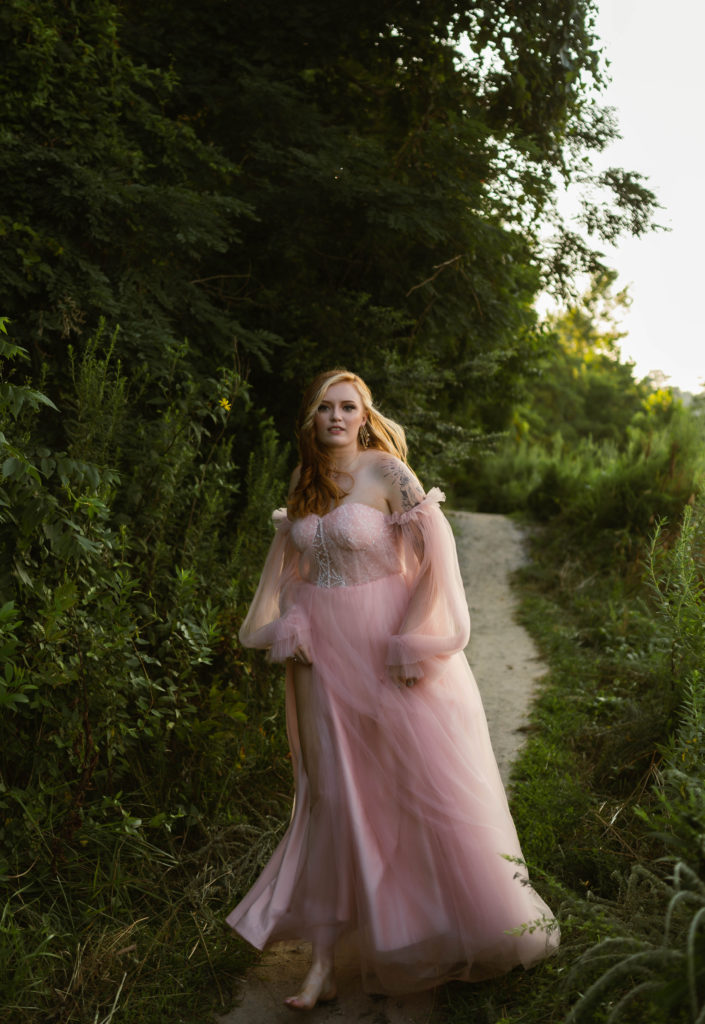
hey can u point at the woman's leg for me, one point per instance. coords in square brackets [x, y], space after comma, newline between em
[319, 983]
[308, 734]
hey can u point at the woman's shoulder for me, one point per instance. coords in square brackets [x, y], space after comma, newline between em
[401, 486]
[382, 462]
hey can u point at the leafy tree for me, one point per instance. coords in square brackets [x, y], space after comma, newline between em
[110, 207]
[307, 184]
[588, 442]
[581, 388]
[202, 205]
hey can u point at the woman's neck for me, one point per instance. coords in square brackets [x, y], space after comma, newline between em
[345, 461]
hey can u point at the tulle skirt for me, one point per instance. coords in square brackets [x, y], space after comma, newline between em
[401, 848]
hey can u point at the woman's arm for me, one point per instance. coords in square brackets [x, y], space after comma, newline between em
[436, 624]
[402, 489]
[403, 492]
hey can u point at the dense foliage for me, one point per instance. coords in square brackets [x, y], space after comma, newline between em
[202, 206]
[607, 794]
[614, 469]
[295, 186]
[131, 720]
[589, 442]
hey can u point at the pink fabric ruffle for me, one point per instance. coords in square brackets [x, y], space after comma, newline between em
[275, 621]
[434, 497]
[437, 622]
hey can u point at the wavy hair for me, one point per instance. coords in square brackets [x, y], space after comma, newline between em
[317, 490]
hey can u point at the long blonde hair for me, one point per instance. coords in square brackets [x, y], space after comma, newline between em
[316, 490]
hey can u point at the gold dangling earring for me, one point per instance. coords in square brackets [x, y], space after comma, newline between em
[364, 435]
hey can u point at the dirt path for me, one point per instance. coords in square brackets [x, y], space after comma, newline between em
[506, 665]
[501, 653]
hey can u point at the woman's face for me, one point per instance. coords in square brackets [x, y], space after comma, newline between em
[339, 416]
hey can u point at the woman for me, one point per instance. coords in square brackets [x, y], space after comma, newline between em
[400, 836]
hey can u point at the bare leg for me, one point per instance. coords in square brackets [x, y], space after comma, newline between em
[319, 984]
[308, 737]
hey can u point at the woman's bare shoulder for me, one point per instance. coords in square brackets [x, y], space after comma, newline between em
[401, 485]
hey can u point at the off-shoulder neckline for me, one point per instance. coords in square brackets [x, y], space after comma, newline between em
[433, 497]
[349, 504]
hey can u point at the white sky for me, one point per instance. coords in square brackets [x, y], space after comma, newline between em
[656, 65]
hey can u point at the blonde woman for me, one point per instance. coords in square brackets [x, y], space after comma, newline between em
[397, 848]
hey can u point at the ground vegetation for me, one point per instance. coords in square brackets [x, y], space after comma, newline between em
[201, 207]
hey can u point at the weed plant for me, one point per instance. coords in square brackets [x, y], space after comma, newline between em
[143, 765]
[143, 771]
[600, 485]
[607, 793]
[655, 970]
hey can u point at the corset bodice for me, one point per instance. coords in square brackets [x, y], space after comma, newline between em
[352, 544]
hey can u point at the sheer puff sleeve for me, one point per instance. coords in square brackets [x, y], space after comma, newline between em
[437, 622]
[274, 621]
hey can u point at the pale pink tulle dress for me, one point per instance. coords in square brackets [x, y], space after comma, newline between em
[397, 847]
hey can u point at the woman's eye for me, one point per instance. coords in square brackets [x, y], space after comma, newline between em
[349, 408]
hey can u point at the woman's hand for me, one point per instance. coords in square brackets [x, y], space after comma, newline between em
[399, 678]
[301, 656]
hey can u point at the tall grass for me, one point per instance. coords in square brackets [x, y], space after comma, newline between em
[607, 793]
[141, 787]
[654, 969]
[599, 485]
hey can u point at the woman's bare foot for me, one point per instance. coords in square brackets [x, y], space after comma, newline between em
[319, 987]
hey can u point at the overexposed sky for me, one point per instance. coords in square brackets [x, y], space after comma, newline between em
[656, 65]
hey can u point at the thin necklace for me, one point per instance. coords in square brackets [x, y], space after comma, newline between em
[347, 470]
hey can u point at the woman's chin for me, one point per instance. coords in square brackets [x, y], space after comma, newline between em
[335, 440]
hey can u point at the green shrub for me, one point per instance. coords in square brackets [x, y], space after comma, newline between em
[638, 745]
[644, 978]
[595, 486]
[129, 735]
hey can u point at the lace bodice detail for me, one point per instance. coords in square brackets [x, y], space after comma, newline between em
[351, 545]
[356, 544]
